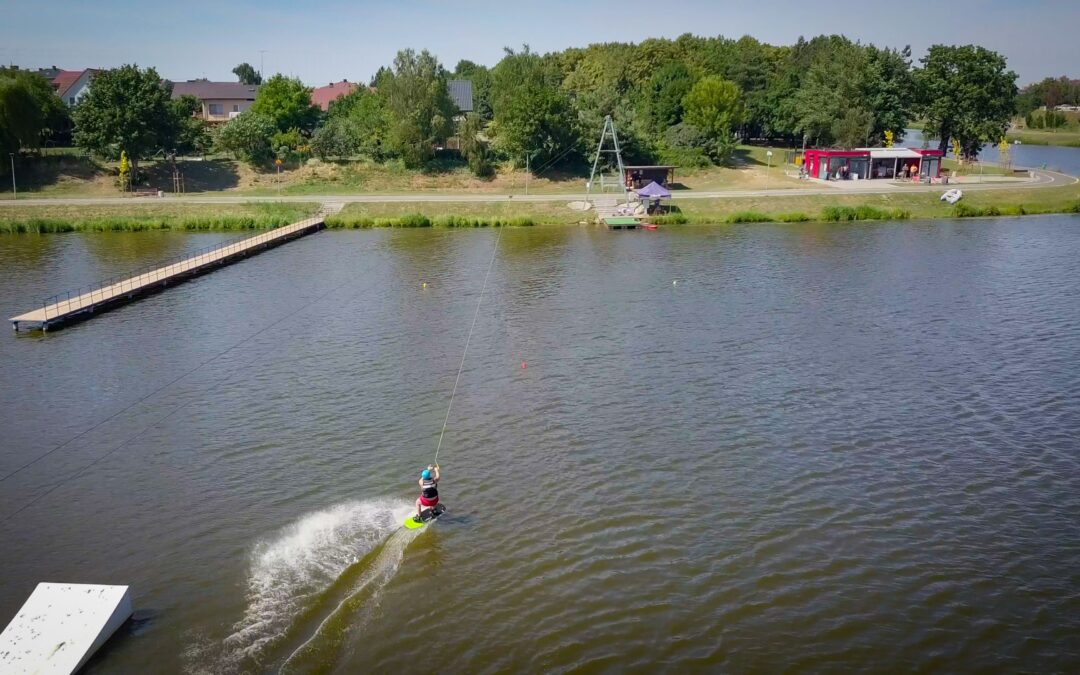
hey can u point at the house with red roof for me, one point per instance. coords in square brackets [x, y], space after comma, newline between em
[72, 85]
[324, 96]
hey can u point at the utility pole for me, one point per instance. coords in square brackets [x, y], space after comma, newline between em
[528, 159]
[768, 167]
[14, 190]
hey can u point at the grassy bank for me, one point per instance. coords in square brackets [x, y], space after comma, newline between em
[66, 173]
[139, 217]
[787, 207]
[892, 206]
[1065, 137]
[454, 214]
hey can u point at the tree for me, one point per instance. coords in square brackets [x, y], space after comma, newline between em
[125, 110]
[248, 137]
[188, 133]
[287, 102]
[288, 145]
[532, 114]
[21, 118]
[333, 140]
[419, 106]
[686, 145]
[55, 117]
[125, 172]
[357, 123]
[714, 106]
[853, 129]
[246, 74]
[473, 146]
[664, 94]
[966, 93]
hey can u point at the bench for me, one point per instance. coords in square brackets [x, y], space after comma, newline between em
[145, 192]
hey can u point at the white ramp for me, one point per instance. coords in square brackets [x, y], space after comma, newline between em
[60, 626]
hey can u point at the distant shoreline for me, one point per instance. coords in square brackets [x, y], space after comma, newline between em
[789, 205]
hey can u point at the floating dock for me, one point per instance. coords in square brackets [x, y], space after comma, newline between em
[83, 303]
[622, 223]
[60, 626]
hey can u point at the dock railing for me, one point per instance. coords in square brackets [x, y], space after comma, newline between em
[91, 294]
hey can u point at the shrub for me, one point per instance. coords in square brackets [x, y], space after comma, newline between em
[748, 217]
[864, 212]
[671, 219]
[413, 220]
[837, 213]
[793, 217]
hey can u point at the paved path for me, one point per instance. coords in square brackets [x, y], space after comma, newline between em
[1041, 179]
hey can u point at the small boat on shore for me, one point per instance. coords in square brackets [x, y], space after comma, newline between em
[952, 196]
[649, 226]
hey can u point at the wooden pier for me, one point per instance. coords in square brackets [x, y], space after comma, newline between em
[84, 303]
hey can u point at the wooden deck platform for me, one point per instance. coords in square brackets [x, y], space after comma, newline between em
[84, 302]
[622, 223]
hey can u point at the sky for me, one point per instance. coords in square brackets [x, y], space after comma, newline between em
[321, 41]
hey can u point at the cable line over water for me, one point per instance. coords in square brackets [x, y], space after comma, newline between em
[468, 339]
[92, 463]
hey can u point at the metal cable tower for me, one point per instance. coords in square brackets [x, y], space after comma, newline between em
[609, 127]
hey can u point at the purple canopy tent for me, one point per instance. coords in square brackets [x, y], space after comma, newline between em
[654, 191]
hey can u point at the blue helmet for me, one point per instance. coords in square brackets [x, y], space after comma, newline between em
[425, 474]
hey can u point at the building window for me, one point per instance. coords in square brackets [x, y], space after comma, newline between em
[236, 107]
[217, 109]
[71, 100]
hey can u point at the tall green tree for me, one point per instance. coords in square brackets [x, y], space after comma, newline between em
[246, 74]
[288, 102]
[420, 110]
[714, 105]
[126, 109]
[532, 113]
[55, 116]
[966, 93]
[664, 94]
[21, 118]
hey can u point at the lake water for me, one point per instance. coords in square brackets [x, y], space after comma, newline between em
[825, 448]
[1056, 158]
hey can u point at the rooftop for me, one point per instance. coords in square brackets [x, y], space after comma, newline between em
[66, 78]
[206, 90]
[323, 96]
[461, 94]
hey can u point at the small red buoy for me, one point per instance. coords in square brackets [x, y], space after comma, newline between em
[523, 365]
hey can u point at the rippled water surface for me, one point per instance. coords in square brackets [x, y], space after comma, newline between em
[805, 448]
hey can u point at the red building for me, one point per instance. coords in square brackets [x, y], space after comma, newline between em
[871, 163]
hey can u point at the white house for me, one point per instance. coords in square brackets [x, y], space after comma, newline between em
[72, 85]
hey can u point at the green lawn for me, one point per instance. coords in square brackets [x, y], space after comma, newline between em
[1068, 137]
[478, 214]
[913, 205]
